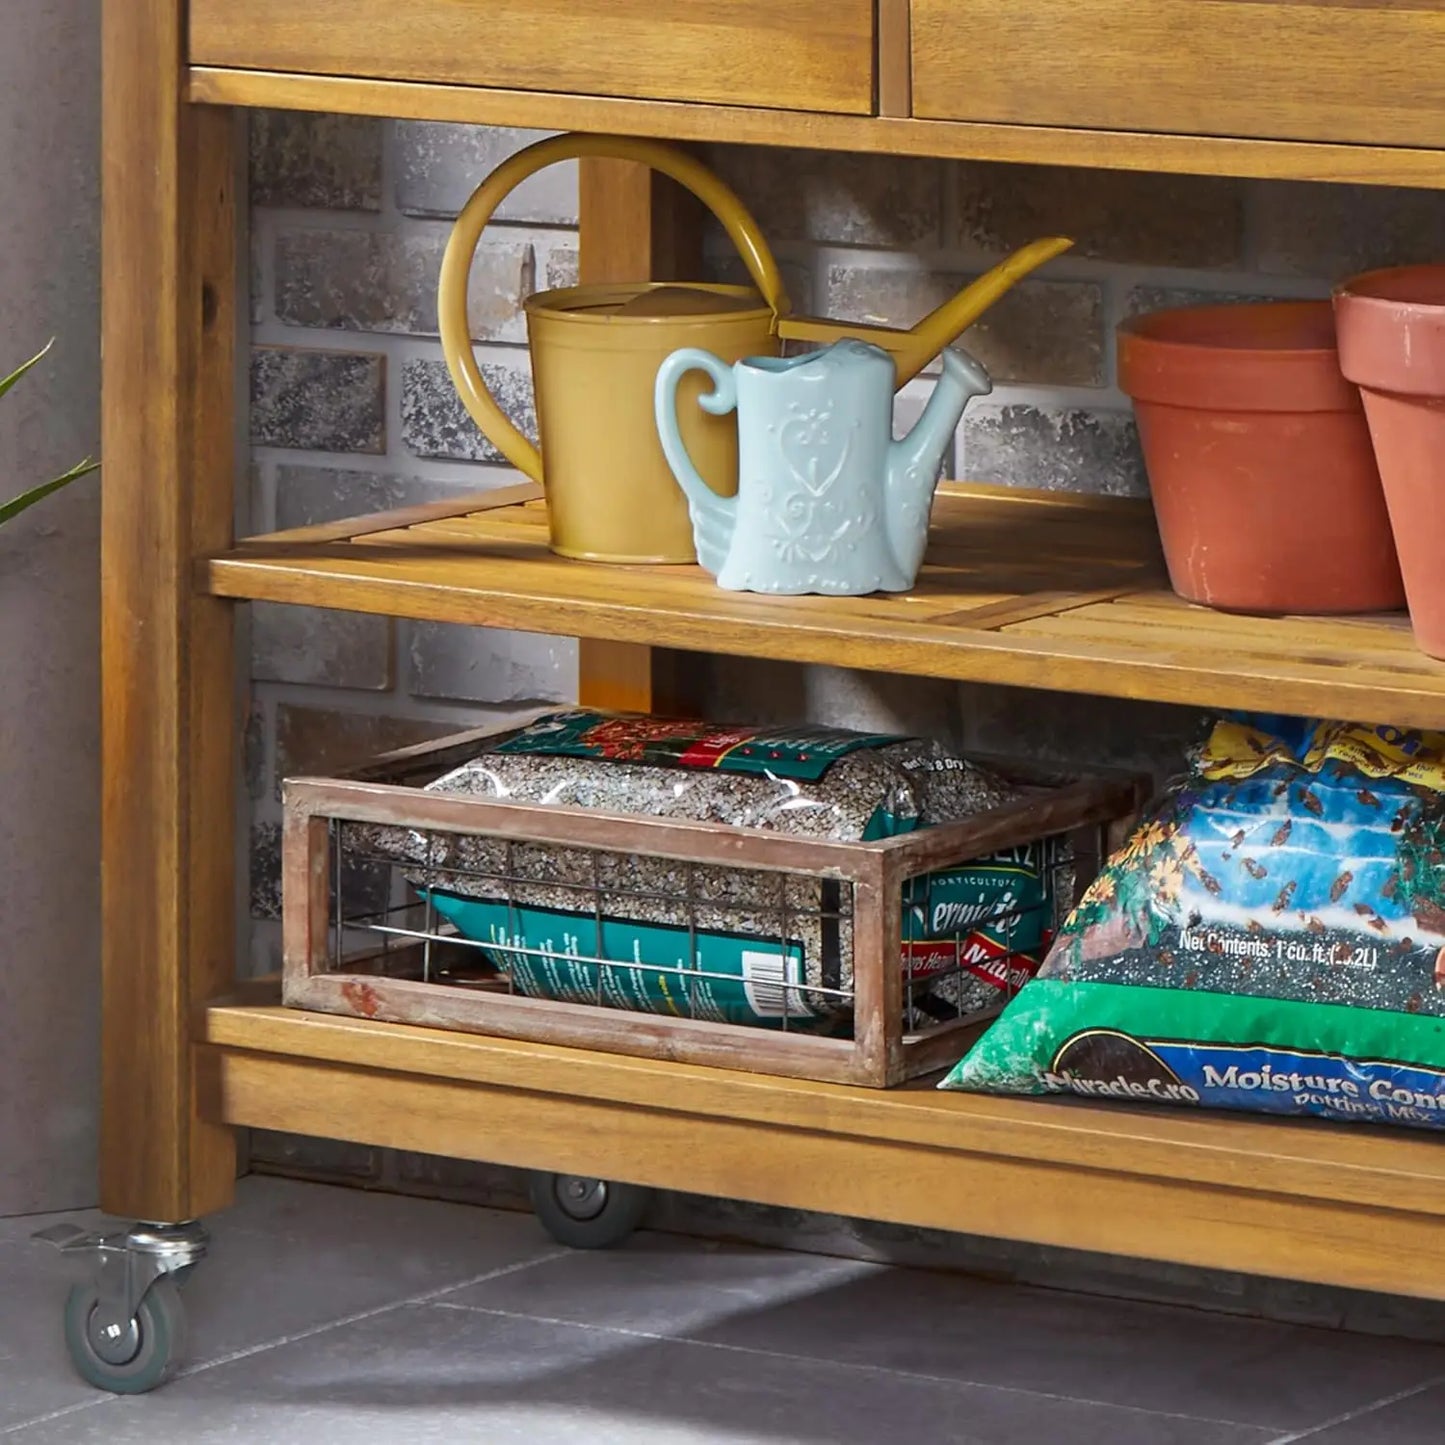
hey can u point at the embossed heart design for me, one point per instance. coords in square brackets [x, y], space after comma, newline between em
[814, 446]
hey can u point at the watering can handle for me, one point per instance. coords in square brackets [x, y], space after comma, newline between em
[457, 262]
[713, 516]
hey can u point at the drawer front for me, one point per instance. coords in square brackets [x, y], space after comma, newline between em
[801, 55]
[1365, 71]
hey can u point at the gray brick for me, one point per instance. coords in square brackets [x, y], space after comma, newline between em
[1142, 299]
[1112, 215]
[1334, 232]
[1081, 731]
[327, 161]
[470, 664]
[1059, 448]
[563, 267]
[859, 200]
[434, 423]
[1048, 332]
[325, 1159]
[318, 740]
[723, 264]
[306, 496]
[253, 751]
[386, 282]
[265, 870]
[439, 166]
[320, 648]
[332, 401]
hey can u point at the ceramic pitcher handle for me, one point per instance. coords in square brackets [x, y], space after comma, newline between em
[455, 325]
[712, 516]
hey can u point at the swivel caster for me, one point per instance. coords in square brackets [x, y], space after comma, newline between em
[125, 1325]
[586, 1213]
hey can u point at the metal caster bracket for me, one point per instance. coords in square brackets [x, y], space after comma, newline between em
[126, 1264]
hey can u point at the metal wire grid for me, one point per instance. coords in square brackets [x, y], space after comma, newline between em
[796, 953]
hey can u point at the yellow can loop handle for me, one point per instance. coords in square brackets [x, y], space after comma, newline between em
[719, 198]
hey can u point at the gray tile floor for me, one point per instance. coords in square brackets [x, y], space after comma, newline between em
[328, 1316]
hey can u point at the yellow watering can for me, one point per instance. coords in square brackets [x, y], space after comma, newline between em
[596, 351]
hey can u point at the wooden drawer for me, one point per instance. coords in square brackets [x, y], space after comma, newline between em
[1368, 71]
[803, 55]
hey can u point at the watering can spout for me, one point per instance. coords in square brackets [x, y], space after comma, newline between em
[913, 462]
[913, 350]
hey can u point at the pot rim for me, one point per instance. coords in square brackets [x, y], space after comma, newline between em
[1242, 373]
[1358, 290]
[584, 303]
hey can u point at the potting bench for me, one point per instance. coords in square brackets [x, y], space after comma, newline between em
[1332, 93]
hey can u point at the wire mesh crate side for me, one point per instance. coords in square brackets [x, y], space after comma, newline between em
[652, 937]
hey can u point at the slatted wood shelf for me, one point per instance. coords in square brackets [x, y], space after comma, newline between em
[1205, 1188]
[1033, 589]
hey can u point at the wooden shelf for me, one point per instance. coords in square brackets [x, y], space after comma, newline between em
[1215, 155]
[1211, 1189]
[1034, 589]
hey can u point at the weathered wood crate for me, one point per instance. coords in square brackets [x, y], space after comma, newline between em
[364, 935]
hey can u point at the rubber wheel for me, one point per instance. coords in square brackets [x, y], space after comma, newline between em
[587, 1213]
[132, 1360]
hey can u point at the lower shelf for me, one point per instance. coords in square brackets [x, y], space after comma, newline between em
[1334, 1204]
[1034, 589]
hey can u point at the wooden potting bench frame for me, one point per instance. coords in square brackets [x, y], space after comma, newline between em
[1029, 590]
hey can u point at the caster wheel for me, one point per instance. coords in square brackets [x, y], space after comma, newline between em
[126, 1357]
[587, 1213]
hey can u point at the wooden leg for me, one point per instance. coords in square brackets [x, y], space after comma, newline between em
[170, 715]
[635, 225]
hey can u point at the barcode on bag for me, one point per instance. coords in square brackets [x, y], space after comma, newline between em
[770, 983]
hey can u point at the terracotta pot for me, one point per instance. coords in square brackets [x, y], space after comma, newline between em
[1392, 344]
[1259, 460]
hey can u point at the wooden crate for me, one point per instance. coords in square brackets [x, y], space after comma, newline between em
[334, 965]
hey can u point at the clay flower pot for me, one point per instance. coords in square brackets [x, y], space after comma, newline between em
[1259, 460]
[1391, 328]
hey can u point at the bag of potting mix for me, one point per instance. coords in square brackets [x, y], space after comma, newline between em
[1272, 938]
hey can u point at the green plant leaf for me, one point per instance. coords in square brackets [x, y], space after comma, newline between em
[16, 505]
[20, 371]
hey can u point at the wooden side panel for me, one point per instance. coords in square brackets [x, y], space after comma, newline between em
[635, 225]
[169, 332]
[805, 55]
[1363, 71]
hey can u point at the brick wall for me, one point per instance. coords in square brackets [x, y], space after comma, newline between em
[352, 411]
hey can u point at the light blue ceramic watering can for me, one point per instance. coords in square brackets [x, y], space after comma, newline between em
[827, 500]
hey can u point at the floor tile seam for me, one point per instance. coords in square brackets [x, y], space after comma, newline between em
[426, 1297]
[912, 1376]
[1348, 1417]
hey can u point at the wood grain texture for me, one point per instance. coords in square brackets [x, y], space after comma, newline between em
[1344, 1163]
[806, 55]
[1062, 145]
[1338, 1204]
[170, 714]
[1371, 72]
[634, 224]
[1009, 593]
[895, 58]
[1294, 1234]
